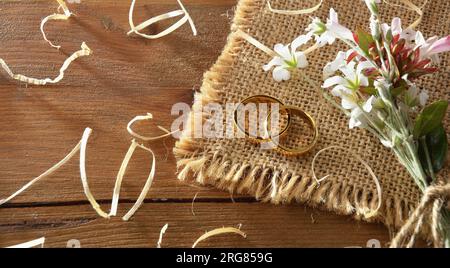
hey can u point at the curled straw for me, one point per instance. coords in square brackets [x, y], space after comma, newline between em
[256, 43]
[168, 15]
[410, 6]
[161, 234]
[84, 180]
[372, 174]
[81, 147]
[30, 244]
[84, 51]
[149, 116]
[56, 16]
[43, 175]
[265, 48]
[145, 189]
[294, 12]
[407, 4]
[218, 231]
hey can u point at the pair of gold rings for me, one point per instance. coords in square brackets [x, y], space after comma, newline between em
[289, 111]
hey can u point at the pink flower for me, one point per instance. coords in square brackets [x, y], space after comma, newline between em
[430, 48]
[441, 45]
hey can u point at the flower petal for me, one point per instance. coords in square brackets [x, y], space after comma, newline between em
[333, 66]
[333, 16]
[354, 123]
[340, 31]
[408, 34]
[299, 41]
[368, 106]
[325, 38]
[283, 51]
[337, 91]
[419, 38]
[423, 97]
[355, 118]
[349, 70]
[396, 26]
[441, 45]
[281, 74]
[385, 28]
[275, 61]
[363, 65]
[302, 62]
[363, 81]
[348, 102]
[335, 80]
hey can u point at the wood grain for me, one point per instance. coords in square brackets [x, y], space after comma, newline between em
[125, 77]
[265, 225]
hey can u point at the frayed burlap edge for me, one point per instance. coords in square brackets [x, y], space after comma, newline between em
[269, 184]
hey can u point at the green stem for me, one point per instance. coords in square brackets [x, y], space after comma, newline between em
[408, 143]
[418, 177]
[373, 124]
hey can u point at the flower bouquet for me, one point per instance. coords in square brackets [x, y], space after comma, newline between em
[375, 81]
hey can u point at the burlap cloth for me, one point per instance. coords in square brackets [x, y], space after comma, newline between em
[240, 166]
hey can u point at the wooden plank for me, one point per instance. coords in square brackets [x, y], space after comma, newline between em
[266, 226]
[125, 77]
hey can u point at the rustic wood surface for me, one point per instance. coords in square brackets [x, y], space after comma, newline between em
[126, 76]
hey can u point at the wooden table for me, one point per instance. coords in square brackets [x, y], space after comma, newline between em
[126, 76]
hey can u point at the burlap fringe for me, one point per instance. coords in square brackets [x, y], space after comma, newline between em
[268, 184]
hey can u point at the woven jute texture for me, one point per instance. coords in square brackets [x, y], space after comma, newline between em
[240, 166]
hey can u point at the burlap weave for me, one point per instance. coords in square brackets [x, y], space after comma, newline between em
[240, 166]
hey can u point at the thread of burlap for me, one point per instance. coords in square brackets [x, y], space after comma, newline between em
[240, 166]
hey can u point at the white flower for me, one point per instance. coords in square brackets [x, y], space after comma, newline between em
[331, 67]
[423, 97]
[368, 105]
[356, 118]
[327, 33]
[339, 62]
[414, 97]
[347, 87]
[396, 28]
[352, 80]
[288, 59]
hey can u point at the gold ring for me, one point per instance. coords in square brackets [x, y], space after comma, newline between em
[266, 98]
[300, 150]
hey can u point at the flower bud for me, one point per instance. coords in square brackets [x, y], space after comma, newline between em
[372, 5]
[383, 92]
[374, 27]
